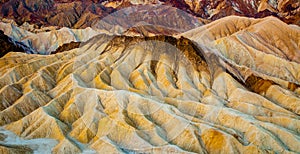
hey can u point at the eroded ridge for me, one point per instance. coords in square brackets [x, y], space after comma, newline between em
[152, 94]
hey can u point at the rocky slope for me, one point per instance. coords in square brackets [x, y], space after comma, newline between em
[82, 14]
[274, 46]
[287, 10]
[145, 20]
[8, 45]
[232, 89]
[45, 42]
[45, 33]
[162, 18]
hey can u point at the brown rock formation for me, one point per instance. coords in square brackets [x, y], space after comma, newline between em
[67, 47]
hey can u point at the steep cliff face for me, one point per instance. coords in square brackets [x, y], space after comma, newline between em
[82, 14]
[226, 87]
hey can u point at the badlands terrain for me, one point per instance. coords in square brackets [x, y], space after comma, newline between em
[86, 13]
[190, 82]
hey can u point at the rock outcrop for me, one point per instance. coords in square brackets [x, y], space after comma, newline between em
[232, 87]
[67, 47]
